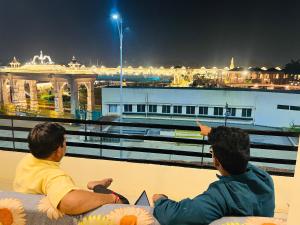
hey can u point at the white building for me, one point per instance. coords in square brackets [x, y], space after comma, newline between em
[258, 107]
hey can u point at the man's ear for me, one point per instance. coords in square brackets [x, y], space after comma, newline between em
[217, 164]
[59, 152]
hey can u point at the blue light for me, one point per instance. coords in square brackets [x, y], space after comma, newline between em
[115, 16]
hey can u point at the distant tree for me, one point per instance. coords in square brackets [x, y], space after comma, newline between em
[293, 67]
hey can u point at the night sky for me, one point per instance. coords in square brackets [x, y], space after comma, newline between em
[160, 32]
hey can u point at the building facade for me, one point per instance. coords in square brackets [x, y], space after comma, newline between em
[258, 107]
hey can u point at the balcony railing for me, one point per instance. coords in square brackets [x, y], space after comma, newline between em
[105, 140]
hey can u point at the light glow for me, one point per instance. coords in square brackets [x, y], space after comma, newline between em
[245, 72]
[115, 16]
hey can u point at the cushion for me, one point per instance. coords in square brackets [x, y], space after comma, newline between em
[36, 209]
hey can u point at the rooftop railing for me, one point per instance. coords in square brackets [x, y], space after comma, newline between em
[145, 143]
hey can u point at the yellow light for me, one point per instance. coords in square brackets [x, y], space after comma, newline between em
[264, 68]
[245, 72]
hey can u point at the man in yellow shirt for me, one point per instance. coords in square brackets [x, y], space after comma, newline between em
[39, 173]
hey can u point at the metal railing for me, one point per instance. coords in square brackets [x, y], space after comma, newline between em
[16, 126]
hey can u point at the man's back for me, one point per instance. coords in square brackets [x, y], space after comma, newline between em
[37, 176]
[39, 173]
[251, 193]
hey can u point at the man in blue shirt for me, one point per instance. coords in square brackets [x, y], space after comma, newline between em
[242, 188]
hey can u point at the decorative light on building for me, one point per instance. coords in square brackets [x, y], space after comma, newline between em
[42, 59]
[14, 63]
[74, 63]
[245, 72]
[232, 64]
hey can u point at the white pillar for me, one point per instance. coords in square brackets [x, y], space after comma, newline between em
[293, 218]
[19, 98]
[6, 92]
[74, 95]
[90, 95]
[1, 92]
[58, 100]
[33, 95]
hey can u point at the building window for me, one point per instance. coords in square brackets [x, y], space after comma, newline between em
[246, 112]
[141, 108]
[297, 108]
[203, 110]
[232, 111]
[177, 109]
[112, 108]
[127, 108]
[152, 108]
[190, 110]
[166, 109]
[218, 111]
[285, 107]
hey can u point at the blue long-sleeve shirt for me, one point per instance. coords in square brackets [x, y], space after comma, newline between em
[248, 194]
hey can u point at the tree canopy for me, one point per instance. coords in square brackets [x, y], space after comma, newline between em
[293, 67]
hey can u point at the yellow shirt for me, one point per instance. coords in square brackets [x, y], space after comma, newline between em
[37, 176]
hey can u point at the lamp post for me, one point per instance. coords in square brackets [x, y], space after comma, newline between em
[116, 17]
[227, 113]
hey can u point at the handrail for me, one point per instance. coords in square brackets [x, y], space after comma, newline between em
[148, 125]
[104, 134]
[148, 138]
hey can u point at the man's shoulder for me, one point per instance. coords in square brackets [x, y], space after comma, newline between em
[24, 162]
[216, 186]
[39, 167]
[27, 158]
[258, 171]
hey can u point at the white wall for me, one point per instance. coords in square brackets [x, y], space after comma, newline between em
[295, 200]
[263, 103]
[131, 179]
[269, 115]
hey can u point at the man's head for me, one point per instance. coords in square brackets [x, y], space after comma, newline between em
[47, 140]
[231, 149]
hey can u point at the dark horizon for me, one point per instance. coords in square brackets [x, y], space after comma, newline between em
[161, 33]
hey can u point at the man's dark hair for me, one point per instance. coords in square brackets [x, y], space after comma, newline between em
[231, 146]
[45, 138]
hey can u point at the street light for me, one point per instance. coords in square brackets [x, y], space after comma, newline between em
[116, 17]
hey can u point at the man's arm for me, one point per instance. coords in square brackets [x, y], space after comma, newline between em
[80, 201]
[203, 209]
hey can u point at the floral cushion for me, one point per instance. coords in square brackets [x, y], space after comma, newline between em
[27, 209]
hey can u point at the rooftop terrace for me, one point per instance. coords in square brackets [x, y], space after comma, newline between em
[178, 166]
